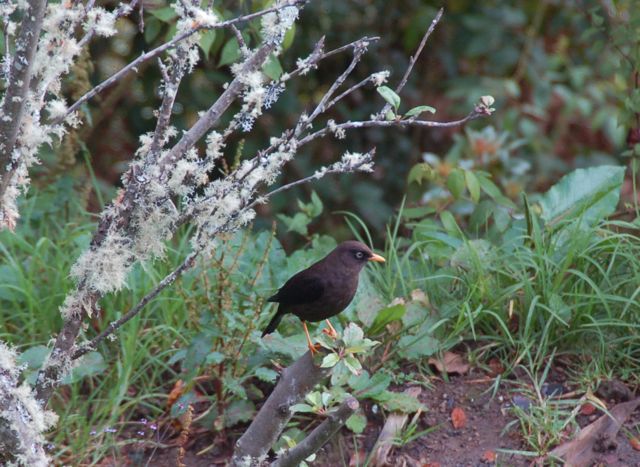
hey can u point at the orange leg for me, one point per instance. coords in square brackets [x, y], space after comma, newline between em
[312, 348]
[331, 332]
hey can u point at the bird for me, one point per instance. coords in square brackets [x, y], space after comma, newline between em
[324, 289]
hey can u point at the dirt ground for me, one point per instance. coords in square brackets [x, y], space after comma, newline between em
[481, 442]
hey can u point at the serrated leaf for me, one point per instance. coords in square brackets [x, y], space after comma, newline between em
[390, 96]
[401, 402]
[418, 110]
[214, 358]
[239, 411]
[588, 194]
[473, 185]
[419, 172]
[357, 423]
[368, 387]
[353, 364]
[455, 183]
[267, 375]
[330, 360]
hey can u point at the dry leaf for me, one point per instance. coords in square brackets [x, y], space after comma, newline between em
[587, 409]
[450, 363]
[635, 443]
[496, 367]
[489, 456]
[176, 392]
[458, 418]
[580, 451]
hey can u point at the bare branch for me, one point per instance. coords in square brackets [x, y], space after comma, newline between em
[319, 436]
[163, 284]
[16, 94]
[296, 381]
[414, 59]
[475, 113]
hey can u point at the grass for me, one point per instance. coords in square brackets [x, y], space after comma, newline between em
[526, 299]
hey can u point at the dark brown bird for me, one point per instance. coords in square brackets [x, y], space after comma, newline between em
[324, 289]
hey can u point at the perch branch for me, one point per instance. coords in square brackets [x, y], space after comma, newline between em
[319, 436]
[296, 381]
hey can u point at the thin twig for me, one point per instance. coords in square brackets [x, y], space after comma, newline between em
[112, 327]
[392, 123]
[414, 59]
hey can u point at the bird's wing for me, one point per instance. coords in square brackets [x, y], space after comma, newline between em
[301, 288]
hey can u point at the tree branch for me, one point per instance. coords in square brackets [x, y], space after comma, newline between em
[112, 327]
[16, 94]
[319, 436]
[414, 59]
[162, 48]
[296, 381]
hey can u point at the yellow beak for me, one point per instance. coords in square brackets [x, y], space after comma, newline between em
[377, 258]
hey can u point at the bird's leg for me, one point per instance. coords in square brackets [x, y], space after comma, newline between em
[331, 332]
[312, 347]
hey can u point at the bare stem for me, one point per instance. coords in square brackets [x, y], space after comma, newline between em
[319, 436]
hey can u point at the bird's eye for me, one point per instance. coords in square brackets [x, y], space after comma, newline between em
[359, 255]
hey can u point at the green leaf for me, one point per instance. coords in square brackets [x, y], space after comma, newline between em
[152, 28]
[353, 364]
[230, 52]
[89, 365]
[239, 411]
[386, 316]
[357, 423]
[214, 358]
[417, 212]
[180, 406]
[165, 14]
[449, 223]
[418, 110]
[401, 402]
[455, 183]
[267, 375]
[419, 172]
[272, 67]
[368, 387]
[33, 357]
[207, 39]
[352, 335]
[473, 185]
[301, 408]
[288, 37]
[588, 194]
[390, 96]
[420, 346]
[330, 360]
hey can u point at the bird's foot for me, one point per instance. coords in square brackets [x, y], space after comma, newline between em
[331, 333]
[314, 348]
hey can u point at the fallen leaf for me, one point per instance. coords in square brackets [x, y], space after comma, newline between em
[458, 418]
[176, 392]
[496, 367]
[587, 409]
[450, 363]
[580, 451]
[635, 443]
[489, 456]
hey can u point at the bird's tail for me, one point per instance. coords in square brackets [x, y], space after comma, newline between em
[273, 324]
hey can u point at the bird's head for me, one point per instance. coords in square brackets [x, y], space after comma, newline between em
[354, 255]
